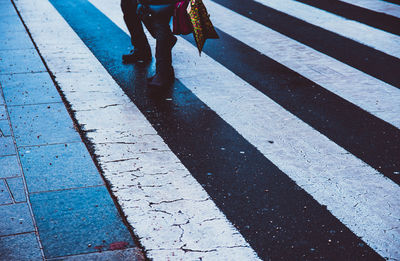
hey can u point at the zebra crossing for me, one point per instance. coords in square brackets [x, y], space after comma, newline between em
[327, 42]
[379, 20]
[377, 6]
[319, 68]
[299, 149]
[364, 34]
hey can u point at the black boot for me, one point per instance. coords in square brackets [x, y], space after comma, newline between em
[162, 79]
[136, 56]
[165, 74]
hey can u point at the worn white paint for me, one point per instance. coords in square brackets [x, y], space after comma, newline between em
[379, 6]
[375, 38]
[361, 89]
[360, 197]
[169, 211]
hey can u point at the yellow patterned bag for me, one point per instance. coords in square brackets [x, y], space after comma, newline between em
[203, 29]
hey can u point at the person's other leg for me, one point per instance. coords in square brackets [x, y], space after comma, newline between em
[165, 41]
[141, 51]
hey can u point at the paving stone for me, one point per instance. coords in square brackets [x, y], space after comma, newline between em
[11, 24]
[3, 114]
[5, 197]
[5, 129]
[20, 61]
[20, 247]
[131, 254]
[15, 40]
[15, 219]
[1, 96]
[42, 124]
[60, 166]
[22, 89]
[9, 166]
[7, 9]
[8, 16]
[17, 188]
[78, 221]
[7, 146]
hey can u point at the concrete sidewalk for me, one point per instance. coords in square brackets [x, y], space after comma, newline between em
[54, 204]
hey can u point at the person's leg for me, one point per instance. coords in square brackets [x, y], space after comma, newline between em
[139, 41]
[164, 43]
[165, 40]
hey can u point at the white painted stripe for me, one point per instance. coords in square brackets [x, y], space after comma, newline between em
[377, 6]
[360, 197]
[359, 88]
[168, 209]
[370, 36]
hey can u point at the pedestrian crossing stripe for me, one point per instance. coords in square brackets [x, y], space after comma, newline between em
[377, 6]
[359, 12]
[369, 60]
[339, 120]
[378, 39]
[380, 99]
[393, 1]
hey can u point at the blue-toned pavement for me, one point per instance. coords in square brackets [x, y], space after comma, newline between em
[54, 204]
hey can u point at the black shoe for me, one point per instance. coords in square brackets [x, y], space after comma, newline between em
[136, 56]
[161, 80]
[158, 81]
[151, 78]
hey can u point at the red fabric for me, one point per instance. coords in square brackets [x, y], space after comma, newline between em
[181, 20]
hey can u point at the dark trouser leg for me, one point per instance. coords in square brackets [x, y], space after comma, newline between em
[161, 31]
[164, 40]
[138, 38]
